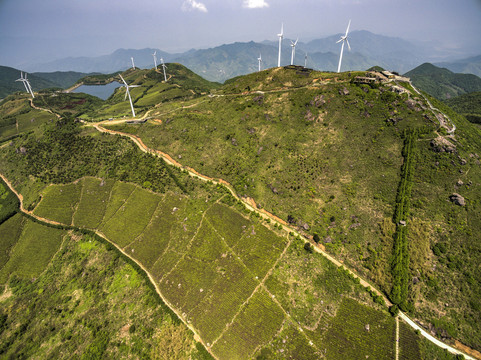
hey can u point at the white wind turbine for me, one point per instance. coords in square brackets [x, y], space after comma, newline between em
[164, 67]
[155, 59]
[293, 52]
[26, 83]
[22, 79]
[305, 60]
[259, 59]
[133, 64]
[127, 92]
[281, 35]
[343, 39]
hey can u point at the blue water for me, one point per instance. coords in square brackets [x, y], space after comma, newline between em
[101, 91]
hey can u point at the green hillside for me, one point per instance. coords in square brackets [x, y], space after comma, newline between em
[8, 85]
[368, 175]
[63, 79]
[468, 105]
[442, 83]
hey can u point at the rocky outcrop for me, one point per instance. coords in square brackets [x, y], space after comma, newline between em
[457, 199]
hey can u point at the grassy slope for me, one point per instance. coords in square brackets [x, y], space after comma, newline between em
[17, 117]
[89, 303]
[341, 195]
[468, 105]
[331, 162]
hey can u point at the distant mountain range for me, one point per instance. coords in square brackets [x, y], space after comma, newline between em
[471, 65]
[226, 61]
[442, 83]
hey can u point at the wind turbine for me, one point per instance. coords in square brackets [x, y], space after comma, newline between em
[22, 79]
[155, 59]
[127, 92]
[133, 64]
[343, 39]
[305, 60]
[293, 52]
[281, 35]
[260, 60]
[164, 67]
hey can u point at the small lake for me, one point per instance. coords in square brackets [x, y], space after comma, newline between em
[101, 91]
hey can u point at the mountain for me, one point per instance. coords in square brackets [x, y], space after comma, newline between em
[226, 61]
[118, 60]
[443, 83]
[471, 65]
[468, 105]
[8, 85]
[63, 79]
[235, 199]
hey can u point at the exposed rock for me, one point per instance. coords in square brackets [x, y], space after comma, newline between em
[21, 150]
[463, 162]
[457, 199]
[440, 144]
[233, 141]
[328, 239]
[460, 183]
[343, 91]
[402, 223]
[367, 327]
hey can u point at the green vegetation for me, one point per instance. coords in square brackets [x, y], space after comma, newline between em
[89, 304]
[442, 83]
[400, 264]
[9, 203]
[68, 105]
[32, 250]
[468, 105]
[318, 151]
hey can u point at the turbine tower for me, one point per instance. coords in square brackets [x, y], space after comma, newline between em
[281, 35]
[127, 92]
[155, 59]
[133, 64]
[293, 52]
[164, 67]
[305, 60]
[28, 84]
[259, 59]
[343, 39]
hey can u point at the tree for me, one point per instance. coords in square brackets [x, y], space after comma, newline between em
[307, 247]
[316, 238]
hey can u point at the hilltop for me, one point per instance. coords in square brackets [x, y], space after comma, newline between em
[442, 83]
[284, 164]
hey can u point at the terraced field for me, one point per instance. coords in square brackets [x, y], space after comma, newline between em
[242, 286]
[26, 247]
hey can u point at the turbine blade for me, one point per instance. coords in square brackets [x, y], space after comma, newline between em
[123, 80]
[348, 25]
[338, 41]
[126, 92]
[296, 41]
[349, 46]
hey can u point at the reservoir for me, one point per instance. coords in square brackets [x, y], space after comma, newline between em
[101, 91]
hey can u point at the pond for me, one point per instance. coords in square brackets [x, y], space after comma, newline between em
[101, 91]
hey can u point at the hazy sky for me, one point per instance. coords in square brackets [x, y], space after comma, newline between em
[50, 29]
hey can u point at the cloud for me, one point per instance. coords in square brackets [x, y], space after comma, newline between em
[255, 4]
[190, 5]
